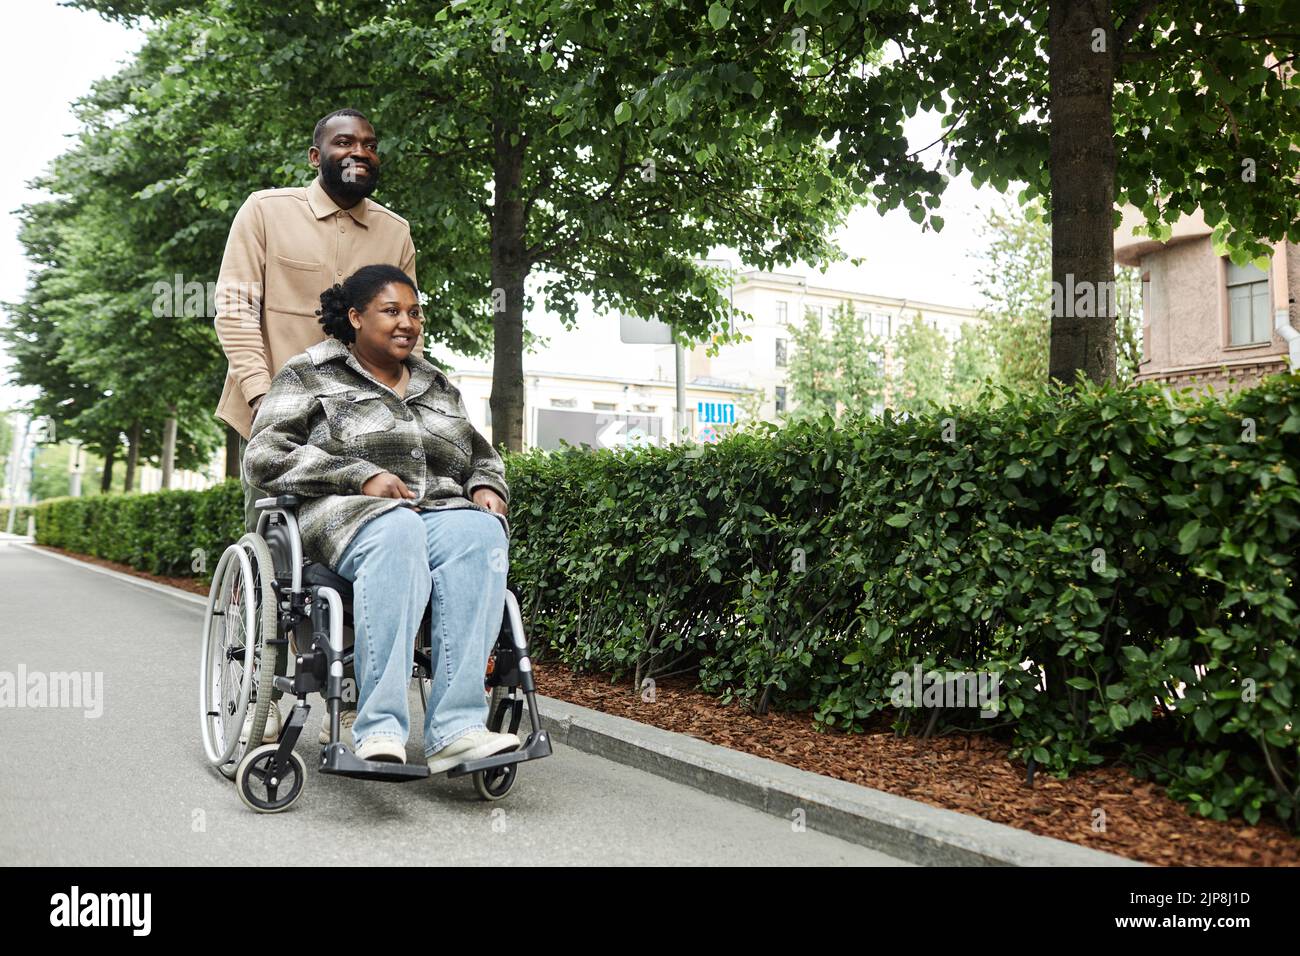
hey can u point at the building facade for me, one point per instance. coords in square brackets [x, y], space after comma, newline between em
[1206, 321]
[586, 382]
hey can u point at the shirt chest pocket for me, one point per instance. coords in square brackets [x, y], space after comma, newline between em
[441, 417]
[356, 416]
[293, 285]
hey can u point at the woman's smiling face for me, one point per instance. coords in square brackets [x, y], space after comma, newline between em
[391, 325]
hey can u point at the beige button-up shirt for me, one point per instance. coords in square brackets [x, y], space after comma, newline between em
[286, 246]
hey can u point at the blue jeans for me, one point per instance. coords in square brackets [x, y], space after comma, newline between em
[397, 561]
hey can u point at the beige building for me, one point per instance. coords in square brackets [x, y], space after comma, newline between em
[777, 301]
[617, 392]
[1205, 320]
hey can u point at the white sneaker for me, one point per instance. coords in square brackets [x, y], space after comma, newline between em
[271, 733]
[382, 748]
[475, 745]
[346, 719]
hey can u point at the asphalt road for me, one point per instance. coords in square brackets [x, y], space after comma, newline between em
[131, 785]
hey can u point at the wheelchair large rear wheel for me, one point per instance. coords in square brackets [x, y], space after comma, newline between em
[238, 663]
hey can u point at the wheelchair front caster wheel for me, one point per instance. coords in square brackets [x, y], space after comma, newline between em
[495, 783]
[268, 788]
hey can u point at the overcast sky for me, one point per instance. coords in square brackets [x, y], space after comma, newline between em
[52, 55]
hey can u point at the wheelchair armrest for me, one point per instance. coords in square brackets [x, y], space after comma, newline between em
[281, 501]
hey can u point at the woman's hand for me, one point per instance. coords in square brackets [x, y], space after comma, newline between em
[386, 485]
[489, 499]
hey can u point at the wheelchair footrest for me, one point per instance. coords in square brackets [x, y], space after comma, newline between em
[338, 759]
[535, 747]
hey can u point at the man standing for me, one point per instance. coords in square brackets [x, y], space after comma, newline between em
[286, 246]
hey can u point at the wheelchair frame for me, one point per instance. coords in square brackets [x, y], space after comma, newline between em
[308, 599]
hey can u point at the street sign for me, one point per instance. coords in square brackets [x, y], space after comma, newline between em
[715, 413]
[635, 330]
[556, 427]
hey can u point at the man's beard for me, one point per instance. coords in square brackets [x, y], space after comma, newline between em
[332, 175]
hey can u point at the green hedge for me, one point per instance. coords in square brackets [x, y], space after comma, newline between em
[20, 519]
[807, 566]
[174, 533]
[1135, 546]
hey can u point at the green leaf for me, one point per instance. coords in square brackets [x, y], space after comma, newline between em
[899, 521]
[1118, 716]
[1188, 535]
[622, 112]
[718, 15]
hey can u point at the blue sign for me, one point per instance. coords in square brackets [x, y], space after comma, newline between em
[715, 413]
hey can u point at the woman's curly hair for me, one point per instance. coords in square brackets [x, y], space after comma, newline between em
[356, 292]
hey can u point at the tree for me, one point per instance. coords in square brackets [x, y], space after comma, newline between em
[1168, 106]
[1015, 283]
[921, 366]
[87, 332]
[835, 368]
[974, 363]
[556, 139]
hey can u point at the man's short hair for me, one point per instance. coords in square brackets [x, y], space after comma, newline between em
[319, 131]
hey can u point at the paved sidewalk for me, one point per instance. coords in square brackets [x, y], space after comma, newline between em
[132, 786]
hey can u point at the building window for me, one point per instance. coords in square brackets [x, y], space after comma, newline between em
[780, 353]
[564, 403]
[782, 312]
[780, 399]
[644, 408]
[1248, 305]
[879, 327]
[604, 406]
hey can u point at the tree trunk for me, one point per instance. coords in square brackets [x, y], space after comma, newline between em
[509, 270]
[132, 456]
[169, 448]
[232, 453]
[106, 481]
[1081, 74]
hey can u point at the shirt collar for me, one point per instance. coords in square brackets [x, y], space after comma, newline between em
[424, 374]
[322, 206]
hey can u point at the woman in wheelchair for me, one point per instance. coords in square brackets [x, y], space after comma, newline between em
[404, 498]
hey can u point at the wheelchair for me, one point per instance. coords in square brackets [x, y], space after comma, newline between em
[268, 605]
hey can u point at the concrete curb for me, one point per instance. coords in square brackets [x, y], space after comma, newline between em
[906, 829]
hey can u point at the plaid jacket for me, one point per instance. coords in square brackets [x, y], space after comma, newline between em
[327, 426]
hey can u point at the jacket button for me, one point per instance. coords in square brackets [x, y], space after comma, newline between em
[416, 453]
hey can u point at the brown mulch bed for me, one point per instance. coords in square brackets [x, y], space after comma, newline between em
[969, 773]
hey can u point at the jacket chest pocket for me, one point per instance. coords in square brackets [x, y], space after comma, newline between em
[441, 418]
[353, 415]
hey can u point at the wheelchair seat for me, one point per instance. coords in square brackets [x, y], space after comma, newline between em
[313, 572]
